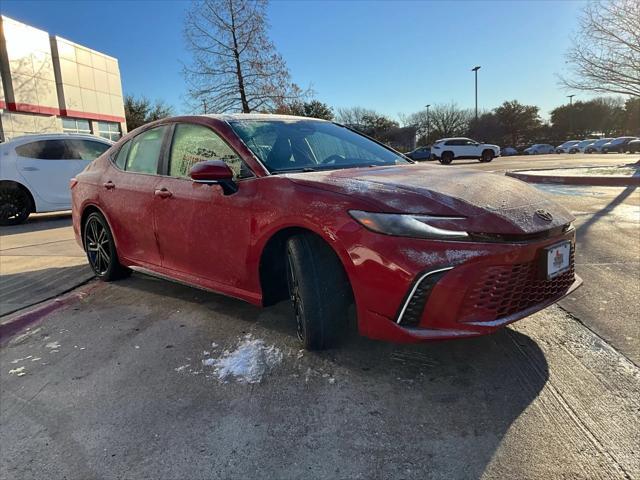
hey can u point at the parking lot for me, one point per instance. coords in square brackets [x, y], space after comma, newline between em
[130, 380]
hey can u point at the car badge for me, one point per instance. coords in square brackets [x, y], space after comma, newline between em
[544, 215]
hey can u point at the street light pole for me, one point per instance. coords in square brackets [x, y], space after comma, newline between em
[475, 70]
[570, 97]
[428, 124]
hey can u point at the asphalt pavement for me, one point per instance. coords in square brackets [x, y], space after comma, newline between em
[144, 378]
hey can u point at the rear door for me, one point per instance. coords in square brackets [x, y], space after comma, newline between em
[128, 195]
[48, 165]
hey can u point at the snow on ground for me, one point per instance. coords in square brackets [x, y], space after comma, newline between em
[248, 363]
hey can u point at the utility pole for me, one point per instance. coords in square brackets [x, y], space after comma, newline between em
[428, 123]
[475, 70]
[570, 97]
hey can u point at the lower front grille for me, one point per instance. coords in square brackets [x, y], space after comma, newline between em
[413, 307]
[505, 290]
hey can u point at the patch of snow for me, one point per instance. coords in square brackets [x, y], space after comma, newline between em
[249, 362]
[181, 368]
[137, 347]
[206, 353]
[35, 359]
[214, 345]
[209, 362]
[53, 345]
[17, 360]
[454, 256]
[17, 371]
[419, 256]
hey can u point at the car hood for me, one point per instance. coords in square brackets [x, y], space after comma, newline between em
[490, 203]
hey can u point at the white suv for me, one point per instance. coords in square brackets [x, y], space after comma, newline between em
[448, 149]
[35, 171]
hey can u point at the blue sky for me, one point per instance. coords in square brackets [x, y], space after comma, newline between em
[390, 56]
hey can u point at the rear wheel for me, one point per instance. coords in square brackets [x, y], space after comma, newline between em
[15, 204]
[101, 249]
[446, 158]
[487, 156]
[319, 291]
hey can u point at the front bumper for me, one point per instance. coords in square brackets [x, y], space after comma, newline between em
[477, 288]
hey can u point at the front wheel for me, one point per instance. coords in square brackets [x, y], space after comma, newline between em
[319, 290]
[487, 156]
[101, 249]
[15, 205]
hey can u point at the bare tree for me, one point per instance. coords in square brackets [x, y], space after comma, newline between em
[235, 67]
[354, 115]
[448, 120]
[605, 56]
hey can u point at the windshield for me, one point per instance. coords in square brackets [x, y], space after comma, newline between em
[309, 145]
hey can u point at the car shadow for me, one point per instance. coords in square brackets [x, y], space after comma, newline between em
[442, 408]
[35, 223]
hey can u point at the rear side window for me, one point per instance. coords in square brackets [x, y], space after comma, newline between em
[48, 150]
[144, 153]
[197, 143]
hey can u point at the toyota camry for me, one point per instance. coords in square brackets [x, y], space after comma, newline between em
[267, 208]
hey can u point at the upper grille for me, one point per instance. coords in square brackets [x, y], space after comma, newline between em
[504, 290]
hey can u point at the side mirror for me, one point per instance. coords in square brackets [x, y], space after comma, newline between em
[214, 172]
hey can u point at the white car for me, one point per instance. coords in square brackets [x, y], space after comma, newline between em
[448, 149]
[596, 147]
[564, 148]
[539, 149]
[35, 171]
[580, 147]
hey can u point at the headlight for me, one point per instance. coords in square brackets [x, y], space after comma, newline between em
[407, 225]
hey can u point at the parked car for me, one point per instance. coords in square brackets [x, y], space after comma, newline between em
[420, 153]
[633, 146]
[581, 146]
[539, 149]
[564, 148]
[617, 145]
[35, 171]
[508, 152]
[596, 147]
[267, 208]
[448, 149]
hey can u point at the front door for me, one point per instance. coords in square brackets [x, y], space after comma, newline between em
[202, 232]
[129, 195]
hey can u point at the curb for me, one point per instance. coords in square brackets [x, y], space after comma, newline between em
[593, 181]
[20, 320]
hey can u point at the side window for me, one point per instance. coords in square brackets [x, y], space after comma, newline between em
[144, 153]
[45, 150]
[87, 149]
[121, 159]
[197, 143]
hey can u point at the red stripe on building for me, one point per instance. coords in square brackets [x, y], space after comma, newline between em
[29, 108]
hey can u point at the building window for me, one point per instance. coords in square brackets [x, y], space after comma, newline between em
[74, 125]
[110, 130]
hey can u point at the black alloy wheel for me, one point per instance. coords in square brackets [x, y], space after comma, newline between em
[101, 250]
[15, 205]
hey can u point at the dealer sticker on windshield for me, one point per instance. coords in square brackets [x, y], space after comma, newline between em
[558, 257]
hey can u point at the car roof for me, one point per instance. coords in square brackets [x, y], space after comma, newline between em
[452, 138]
[227, 117]
[56, 136]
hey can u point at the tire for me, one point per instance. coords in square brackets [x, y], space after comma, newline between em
[15, 204]
[446, 158]
[487, 156]
[319, 290]
[101, 249]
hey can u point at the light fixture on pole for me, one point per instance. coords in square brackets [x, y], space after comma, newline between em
[475, 70]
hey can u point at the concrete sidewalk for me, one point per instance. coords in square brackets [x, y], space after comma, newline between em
[39, 260]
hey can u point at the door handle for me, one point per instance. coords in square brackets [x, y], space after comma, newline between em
[163, 193]
[30, 169]
[109, 185]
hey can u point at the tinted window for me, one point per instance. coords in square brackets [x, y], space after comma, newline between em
[48, 150]
[121, 159]
[87, 149]
[145, 151]
[197, 143]
[455, 142]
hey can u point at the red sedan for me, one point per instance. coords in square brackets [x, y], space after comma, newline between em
[266, 208]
